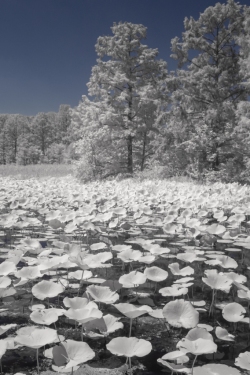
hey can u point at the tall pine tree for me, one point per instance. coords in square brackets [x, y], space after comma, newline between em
[209, 85]
[128, 86]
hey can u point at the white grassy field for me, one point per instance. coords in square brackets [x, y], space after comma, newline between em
[23, 172]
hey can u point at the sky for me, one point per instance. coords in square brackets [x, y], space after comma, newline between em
[47, 47]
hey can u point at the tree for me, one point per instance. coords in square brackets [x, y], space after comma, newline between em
[43, 130]
[25, 141]
[99, 150]
[127, 80]
[14, 133]
[209, 86]
[242, 130]
[63, 121]
[3, 142]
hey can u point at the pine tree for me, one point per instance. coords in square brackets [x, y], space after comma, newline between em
[128, 86]
[209, 86]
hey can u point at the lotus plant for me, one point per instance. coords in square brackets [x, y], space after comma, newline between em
[155, 274]
[216, 281]
[180, 313]
[35, 338]
[198, 341]
[129, 347]
[69, 354]
[132, 311]
[81, 310]
[105, 325]
[132, 279]
[102, 294]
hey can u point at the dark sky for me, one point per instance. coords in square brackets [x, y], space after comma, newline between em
[47, 47]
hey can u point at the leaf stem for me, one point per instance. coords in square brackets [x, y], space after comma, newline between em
[193, 364]
[212, 304]
[130, 327]
[37, 360]
[130, 367]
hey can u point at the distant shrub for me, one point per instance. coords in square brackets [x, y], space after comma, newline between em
[84, 170]
[122, 176]
[155, 172]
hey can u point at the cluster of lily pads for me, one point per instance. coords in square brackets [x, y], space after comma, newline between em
[168, 243]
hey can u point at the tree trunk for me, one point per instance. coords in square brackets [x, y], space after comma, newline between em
[15, 150]
[130, 154]
[143, 151]
[216, 162]
[130, 138]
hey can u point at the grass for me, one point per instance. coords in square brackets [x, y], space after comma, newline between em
[23, 172]
[41, 171]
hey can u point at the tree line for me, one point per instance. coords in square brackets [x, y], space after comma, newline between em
[43, 138]
[140, 117]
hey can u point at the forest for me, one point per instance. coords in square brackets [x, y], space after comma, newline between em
[141, 119]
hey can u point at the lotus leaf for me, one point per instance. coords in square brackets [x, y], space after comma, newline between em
[181, 313]
[129, 347]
